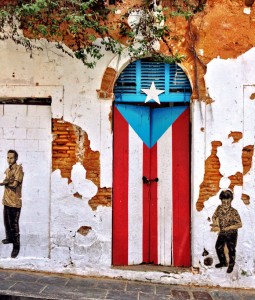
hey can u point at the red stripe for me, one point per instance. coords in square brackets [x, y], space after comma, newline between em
[154, 207]
[181, 191]
[146, 205]
[120, 190]
[150, 229]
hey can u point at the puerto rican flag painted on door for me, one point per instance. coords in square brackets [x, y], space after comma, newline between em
[151, 185]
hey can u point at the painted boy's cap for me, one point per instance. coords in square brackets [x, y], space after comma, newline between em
[226, 195]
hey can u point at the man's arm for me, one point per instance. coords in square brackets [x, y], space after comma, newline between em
[15, 179]
[12, 184]
[4, 183]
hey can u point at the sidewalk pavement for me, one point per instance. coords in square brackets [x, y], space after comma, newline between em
[23, 285]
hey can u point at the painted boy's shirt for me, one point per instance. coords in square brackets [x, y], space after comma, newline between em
[227, 217]
[12, 196]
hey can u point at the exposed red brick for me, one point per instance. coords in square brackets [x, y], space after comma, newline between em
[236, 135]
[91, 162]
[84, 230]
[236, 179]
[247, 154]
[252, 97]
[63, 160]
[71, 145]
[103, 197]
[210, 185]
[104, 95]
[219, 28]
[107, 84]
[77, 195]
[212, 176]
[246, 199]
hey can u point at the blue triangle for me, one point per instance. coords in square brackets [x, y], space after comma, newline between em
[162, 119]
[150, 123]
[138, 118]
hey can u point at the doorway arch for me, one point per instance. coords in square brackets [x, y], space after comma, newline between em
[151, 165]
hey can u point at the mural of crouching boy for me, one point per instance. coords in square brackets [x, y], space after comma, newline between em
[12, 201]
[226, 221]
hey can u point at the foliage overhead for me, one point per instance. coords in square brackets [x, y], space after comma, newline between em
[78, 24]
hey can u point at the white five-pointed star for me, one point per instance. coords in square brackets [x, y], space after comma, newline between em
[152, 93]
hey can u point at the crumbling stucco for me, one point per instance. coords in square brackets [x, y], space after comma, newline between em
[63, 147]
[84, 230]
[236, 179]
[220, 29]
[213, 29]
[107, 84]
[212, 176]
[90, 254]
[247, 154]
[252, 97]
[236, 135]
[70, 146]
[246, 199]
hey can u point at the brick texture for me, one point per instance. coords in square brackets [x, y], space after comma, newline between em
[107, 85]
[246, 199]
[247, 155]
[236, 179]
[103, 197]
[236, 135]
[210, 185]
[63, 147]
[70, 145]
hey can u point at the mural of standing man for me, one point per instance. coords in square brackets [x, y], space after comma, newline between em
[226, 221]
[12, 201]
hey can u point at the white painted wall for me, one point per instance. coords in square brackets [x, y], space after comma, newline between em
[230, 84]
[73, 90]
[27, 129]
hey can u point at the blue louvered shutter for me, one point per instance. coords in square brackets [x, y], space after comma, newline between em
[140, 74]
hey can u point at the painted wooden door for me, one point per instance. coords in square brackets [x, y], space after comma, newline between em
[151, 191]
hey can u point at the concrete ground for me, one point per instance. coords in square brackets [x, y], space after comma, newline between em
[19, 285]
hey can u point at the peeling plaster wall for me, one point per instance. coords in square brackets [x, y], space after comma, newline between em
[73, 90]
[80, 237]
[227, 122]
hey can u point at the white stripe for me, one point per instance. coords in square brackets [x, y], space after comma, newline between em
[165, 198]
[135, 196]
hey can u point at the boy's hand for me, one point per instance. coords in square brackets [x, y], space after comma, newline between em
[236, 226]
[215, 227]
